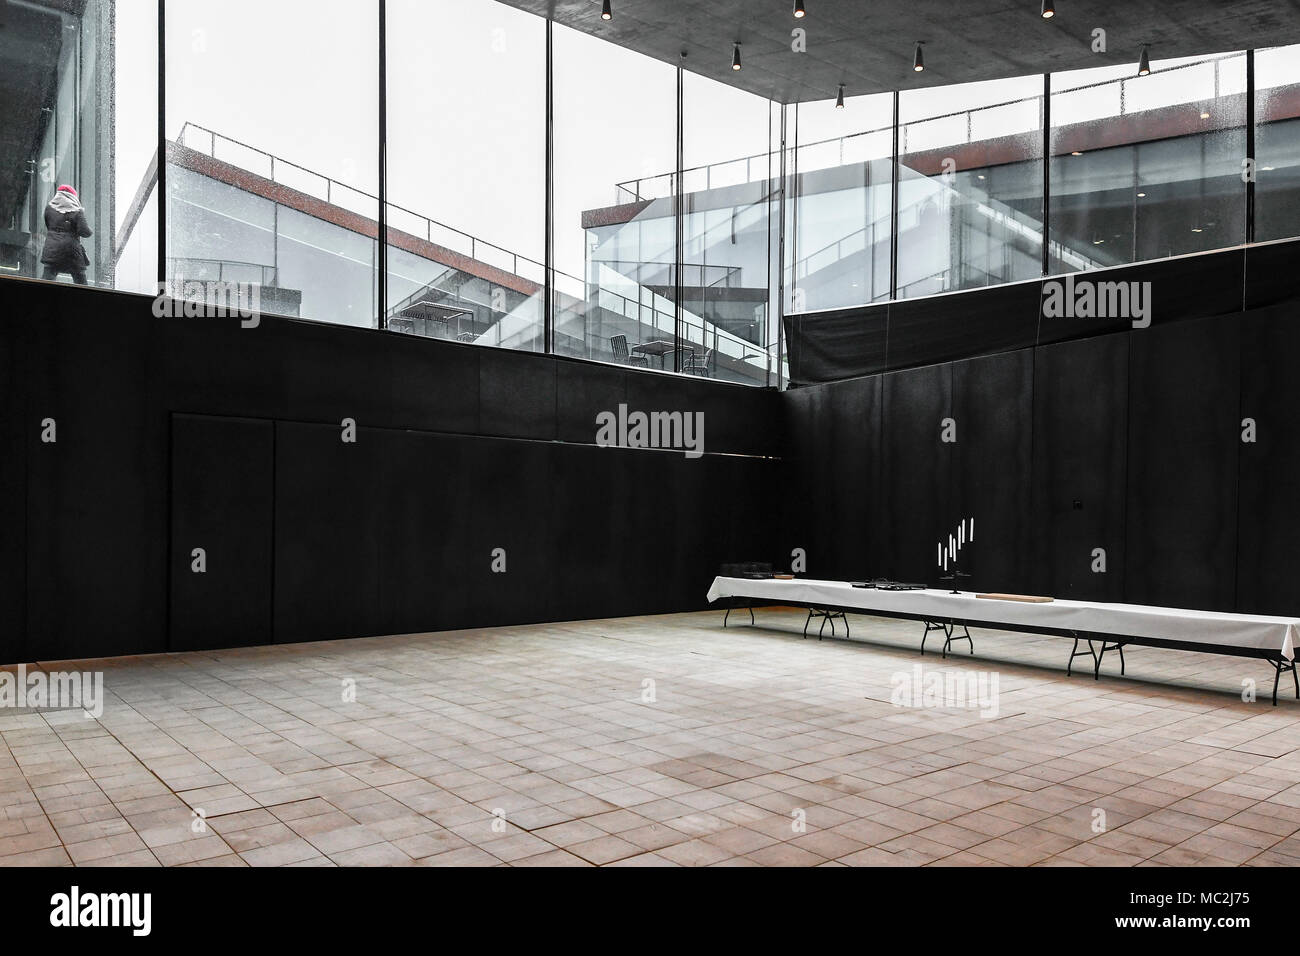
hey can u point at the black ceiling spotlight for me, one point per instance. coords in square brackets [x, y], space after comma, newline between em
[799, 11]
[605, 12]
[918, 62]
[735, 57]
[1049, 9]
[839, 100]
[1144, 63]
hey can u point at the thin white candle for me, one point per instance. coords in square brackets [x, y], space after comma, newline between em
[941, 555]
[961, 534]
[972, 528]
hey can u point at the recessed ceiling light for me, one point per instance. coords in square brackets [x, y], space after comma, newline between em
[1142, 195]
[1076, 153]
[1205, 114]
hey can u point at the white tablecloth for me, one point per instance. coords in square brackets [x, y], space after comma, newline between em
[1251, 631]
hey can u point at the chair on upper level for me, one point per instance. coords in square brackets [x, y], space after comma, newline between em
[702, 367]
[621, 355]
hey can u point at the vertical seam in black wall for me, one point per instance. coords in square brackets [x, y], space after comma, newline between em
[26, 406]
[1241, 449]
[1128, 458]
[381, 320]
[275, 441]
[169, 583]
[1026, 572]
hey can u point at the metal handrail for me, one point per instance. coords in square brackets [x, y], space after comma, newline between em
[632, 187]
[275, 167]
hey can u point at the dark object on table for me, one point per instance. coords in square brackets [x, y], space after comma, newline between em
[884, 584]
[755, 570]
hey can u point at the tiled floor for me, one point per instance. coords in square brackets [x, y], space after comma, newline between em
[655, 741]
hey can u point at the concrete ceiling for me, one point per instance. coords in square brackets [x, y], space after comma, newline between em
[867, 44]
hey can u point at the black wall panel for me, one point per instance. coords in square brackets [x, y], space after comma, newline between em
[916, 471]
[517, 395]
[830, 346]
[514, 495]
[584, 390]
[595, 511]
[1271, 274]
[851, 479]
[96, 498]
[433, 384]
[993, 407]
[810, 514]
[737, 419]
[425, 510]
[922, 331]
[222, 484]
[1182, 465]
[14, 424]
[328, 501]
[1268, 542]
[1080, 450]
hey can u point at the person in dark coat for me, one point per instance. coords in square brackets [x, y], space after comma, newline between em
[66, 226]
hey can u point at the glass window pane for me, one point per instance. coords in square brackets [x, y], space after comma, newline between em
[970, 192]
[78, 108]
[615, 128]
[729, 203]
[1147, 167]
[839, 199]
[273, 168]
[1277, 143]
[467, 172]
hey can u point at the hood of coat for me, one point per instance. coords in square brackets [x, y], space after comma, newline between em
[65, 202]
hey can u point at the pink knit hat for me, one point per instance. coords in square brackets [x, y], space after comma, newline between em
[66, 189]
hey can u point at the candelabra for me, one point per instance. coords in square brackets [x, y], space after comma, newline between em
[950, 554]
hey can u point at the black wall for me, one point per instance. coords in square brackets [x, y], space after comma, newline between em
[176, 434]
[1129, 442]
[845, 343]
